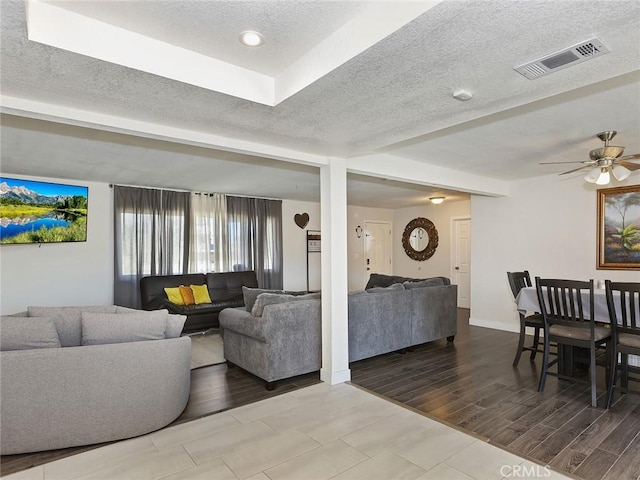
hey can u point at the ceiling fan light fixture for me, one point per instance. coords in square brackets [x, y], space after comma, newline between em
[606, 161]
[620, 172]
[593, 175]
[436, 200]
[604, 178]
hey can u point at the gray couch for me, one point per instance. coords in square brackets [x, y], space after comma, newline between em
[279, 336]
[85, 375]
[386, 319]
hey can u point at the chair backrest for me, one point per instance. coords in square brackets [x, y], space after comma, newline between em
[627, 317]
[566, 302]
[518, 280]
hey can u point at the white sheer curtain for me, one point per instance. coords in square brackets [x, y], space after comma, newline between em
[208, 249]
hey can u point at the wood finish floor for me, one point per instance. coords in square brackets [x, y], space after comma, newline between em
[470, 384]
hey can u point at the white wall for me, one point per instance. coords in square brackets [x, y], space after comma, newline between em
[294, 245]
[440, 263]
[547, 226]
[62, 273]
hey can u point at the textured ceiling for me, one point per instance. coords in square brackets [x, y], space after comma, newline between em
[395, 97]
[289, 32]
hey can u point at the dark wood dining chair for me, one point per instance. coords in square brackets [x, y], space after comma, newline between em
[625, 330]
[517, 281]
[566, 323]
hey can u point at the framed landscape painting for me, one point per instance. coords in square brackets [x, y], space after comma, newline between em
[42, 212]
[619, 228]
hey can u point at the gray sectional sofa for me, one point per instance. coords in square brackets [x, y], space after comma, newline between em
[386, 319]
[73, 376]
[278, 336]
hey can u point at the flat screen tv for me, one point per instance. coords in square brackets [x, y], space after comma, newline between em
[42, 212]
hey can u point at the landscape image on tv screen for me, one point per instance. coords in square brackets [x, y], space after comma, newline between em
[42, 212]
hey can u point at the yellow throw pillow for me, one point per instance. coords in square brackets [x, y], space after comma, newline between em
[200, 294]
[187, 295]
[174, 296]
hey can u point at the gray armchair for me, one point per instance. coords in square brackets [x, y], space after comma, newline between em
[283, 342]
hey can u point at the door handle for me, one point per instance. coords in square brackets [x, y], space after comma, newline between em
[457, 268]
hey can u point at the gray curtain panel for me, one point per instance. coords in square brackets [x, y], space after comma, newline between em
[151, 237]
[255, 238]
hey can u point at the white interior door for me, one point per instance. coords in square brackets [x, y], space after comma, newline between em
[461, 261]
[377, 248]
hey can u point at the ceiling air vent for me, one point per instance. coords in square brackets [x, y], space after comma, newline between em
[564, 58]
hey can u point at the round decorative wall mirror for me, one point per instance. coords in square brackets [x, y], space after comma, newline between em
[420, 239]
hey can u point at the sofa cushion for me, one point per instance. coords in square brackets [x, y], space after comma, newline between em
[187, 295]
[200, 294]
[68, 320]
[104, 328]
[265, 299]
[251, 294]
[25, 333]
[174, 295]
[225, 286]
[429, 282]
[381, 280]
[120, 309]
[395, 286]
[175, 324]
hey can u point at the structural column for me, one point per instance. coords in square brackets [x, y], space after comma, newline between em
[335, 334]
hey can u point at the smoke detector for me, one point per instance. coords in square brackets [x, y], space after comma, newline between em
[567, 57]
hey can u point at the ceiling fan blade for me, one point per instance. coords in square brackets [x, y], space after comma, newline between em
[629, 165]
[575, 169]
[630, 157]
[586, 162]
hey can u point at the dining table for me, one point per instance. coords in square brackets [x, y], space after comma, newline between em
[527, 301]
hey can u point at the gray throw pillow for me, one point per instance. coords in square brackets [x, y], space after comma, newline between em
[104, 328]
[429, 282]
[251, 294]
[265, 299]
[309, 296]
[358, 293]
[68, 320]
[120, 309]
[175, 323]
[26, 333]
[395, 286]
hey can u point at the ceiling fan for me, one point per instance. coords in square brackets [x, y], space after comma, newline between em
[605, 161]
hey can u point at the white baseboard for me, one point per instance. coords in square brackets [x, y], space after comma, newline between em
[480, 322]
[333, 378]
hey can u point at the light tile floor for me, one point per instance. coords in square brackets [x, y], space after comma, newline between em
[321, 432]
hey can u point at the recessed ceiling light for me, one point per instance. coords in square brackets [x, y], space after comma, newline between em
[251, 38]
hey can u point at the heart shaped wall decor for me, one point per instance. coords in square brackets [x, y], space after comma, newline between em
[301, 219]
